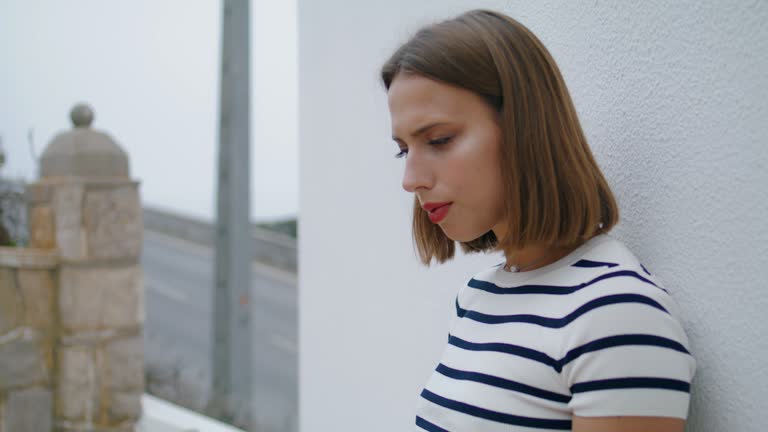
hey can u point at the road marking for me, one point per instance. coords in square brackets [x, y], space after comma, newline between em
[165, 290]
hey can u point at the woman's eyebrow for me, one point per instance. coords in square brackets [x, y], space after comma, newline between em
[421, 130]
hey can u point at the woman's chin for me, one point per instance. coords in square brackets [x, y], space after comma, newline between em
[463, 237]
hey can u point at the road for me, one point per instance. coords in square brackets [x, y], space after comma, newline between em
[178, 278]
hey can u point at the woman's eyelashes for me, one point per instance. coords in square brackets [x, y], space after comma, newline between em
[438, 141]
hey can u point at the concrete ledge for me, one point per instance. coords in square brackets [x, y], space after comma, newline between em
[28, 258]
[268, 247]
[162, 416]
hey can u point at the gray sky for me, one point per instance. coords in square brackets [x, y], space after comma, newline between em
[150, 70]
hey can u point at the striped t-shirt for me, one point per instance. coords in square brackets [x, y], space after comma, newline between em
[593, 334]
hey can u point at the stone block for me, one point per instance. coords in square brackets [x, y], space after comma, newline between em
[71, 243]
[125, 364]
[29, 410]
[10, 303]
[77, 393]
[37, 293]
[13, 257]
[113, 224]
[22, 361]
[94, 298]
[38, 193]
[67, 204]
[42, 231]
[67, 209]
[126, 406]
[125, 298]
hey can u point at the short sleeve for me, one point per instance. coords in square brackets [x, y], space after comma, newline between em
[456, 311]
[628, 356]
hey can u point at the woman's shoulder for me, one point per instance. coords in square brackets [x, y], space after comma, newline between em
[610, 255]
[615, 266]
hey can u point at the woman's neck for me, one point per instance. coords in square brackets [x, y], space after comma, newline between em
[536, 256]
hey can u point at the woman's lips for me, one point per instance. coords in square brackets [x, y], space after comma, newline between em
[439, 213]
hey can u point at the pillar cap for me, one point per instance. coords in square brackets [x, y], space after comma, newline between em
[82, 151]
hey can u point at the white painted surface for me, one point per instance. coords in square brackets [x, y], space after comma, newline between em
[672, 96]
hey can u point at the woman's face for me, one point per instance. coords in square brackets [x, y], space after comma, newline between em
[452, 139]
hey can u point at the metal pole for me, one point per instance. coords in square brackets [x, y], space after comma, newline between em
[231, 356]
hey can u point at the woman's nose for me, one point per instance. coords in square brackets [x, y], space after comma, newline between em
[418, 174]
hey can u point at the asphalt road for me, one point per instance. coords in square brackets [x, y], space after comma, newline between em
[178, 278]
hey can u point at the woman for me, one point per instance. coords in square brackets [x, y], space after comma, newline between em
[571, 332]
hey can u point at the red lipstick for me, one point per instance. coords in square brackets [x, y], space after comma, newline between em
[437, 211]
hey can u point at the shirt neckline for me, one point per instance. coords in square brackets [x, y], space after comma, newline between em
[567, 260]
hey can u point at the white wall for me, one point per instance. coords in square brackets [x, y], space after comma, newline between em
[672, 96]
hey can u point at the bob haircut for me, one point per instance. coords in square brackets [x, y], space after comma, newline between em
[554, 190]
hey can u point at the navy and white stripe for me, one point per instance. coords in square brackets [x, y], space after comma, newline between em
[555, 289]
[593, 334]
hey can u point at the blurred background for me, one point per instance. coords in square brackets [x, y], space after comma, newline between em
[344, 325]
[151, 72]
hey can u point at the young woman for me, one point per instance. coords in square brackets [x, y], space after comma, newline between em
[571, 332]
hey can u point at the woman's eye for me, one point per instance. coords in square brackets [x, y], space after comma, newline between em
[440, 140]
[437, 141]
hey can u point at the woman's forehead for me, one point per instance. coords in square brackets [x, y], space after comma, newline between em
[410, 90]
[415, 100]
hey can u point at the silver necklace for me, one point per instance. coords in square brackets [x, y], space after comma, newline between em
[516, 269]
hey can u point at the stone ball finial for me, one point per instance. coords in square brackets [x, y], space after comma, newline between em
[81, 115]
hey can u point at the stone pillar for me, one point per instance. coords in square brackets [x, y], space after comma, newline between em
[87, 207]
[27, 339]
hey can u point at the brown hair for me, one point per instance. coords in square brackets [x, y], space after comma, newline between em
[554, 191]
